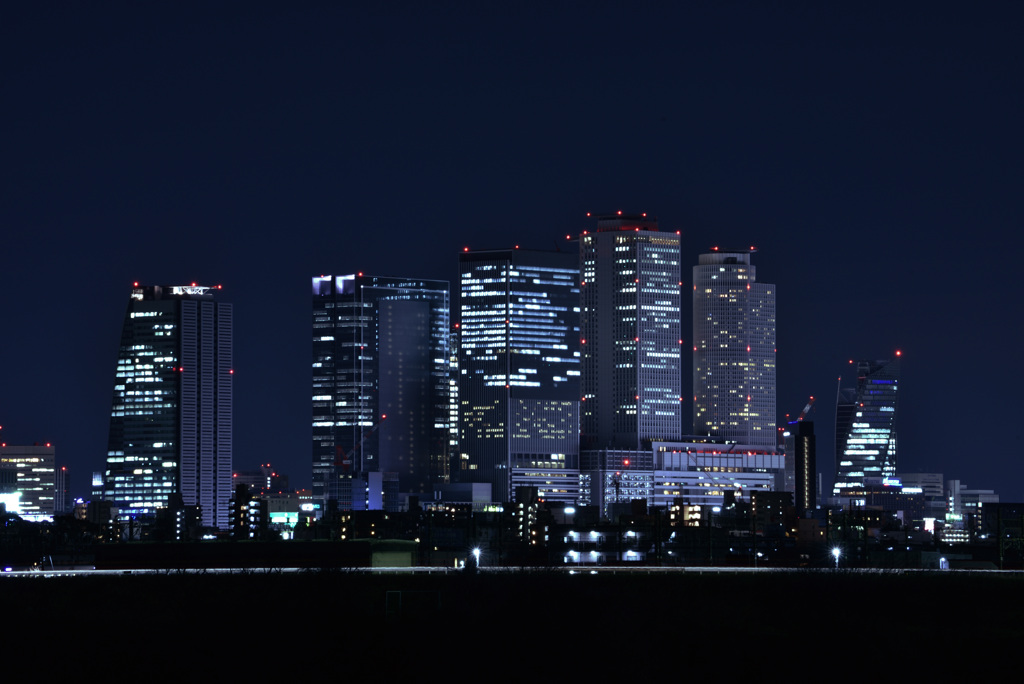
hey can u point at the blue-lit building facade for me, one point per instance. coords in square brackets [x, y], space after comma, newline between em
[734, 379]
[519, 371]
[694, 473]
[381, 418]
[630, 334]
[170, 440]
[866, 426]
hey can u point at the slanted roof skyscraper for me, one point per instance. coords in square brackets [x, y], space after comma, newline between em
[171, 422]
[630, 334]
[733, 350]
[866, 425]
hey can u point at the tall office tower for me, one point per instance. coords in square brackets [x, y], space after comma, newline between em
[866, 425]
[519, 365]
[380, 385]
[733, 350]
[170, 438]
[630, 334]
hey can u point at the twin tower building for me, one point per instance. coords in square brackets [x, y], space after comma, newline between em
[559, 371]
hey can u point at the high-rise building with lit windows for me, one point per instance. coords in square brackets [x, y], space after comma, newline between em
[519, 371]
[28, 472]
[381, 394]
[866, 425]
[630, 334]
[170, 440]
[733, 350]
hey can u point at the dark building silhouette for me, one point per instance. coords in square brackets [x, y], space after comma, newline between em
[801, 449]
[380, 385]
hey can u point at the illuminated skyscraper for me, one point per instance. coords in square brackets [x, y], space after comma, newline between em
[733, 350]
[171, 423]
[866, 426]
[519, 367]
[630, 332]
[380, 386]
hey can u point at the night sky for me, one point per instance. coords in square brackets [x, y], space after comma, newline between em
[871, 151]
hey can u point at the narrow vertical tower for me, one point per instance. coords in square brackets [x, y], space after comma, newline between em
[733, 350]
[866, 426]
[170, 437]
[630, 334]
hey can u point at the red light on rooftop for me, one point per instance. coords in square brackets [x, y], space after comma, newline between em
[619, 213]
[383, 416]
[135, 284]
[48, 444]
[465, 249]
[231, 372]
[588, 214]
[193, 284]
[899, 353]
[568, 238]
[714, 249]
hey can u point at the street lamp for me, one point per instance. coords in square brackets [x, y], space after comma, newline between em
[835, 554]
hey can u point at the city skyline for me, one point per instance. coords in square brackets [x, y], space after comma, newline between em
[856, 147]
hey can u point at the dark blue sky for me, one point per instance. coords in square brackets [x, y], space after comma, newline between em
[872, 151]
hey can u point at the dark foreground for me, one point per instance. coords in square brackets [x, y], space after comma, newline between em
[527, 625]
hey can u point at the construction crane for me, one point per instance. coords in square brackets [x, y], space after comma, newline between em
[807, 409]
